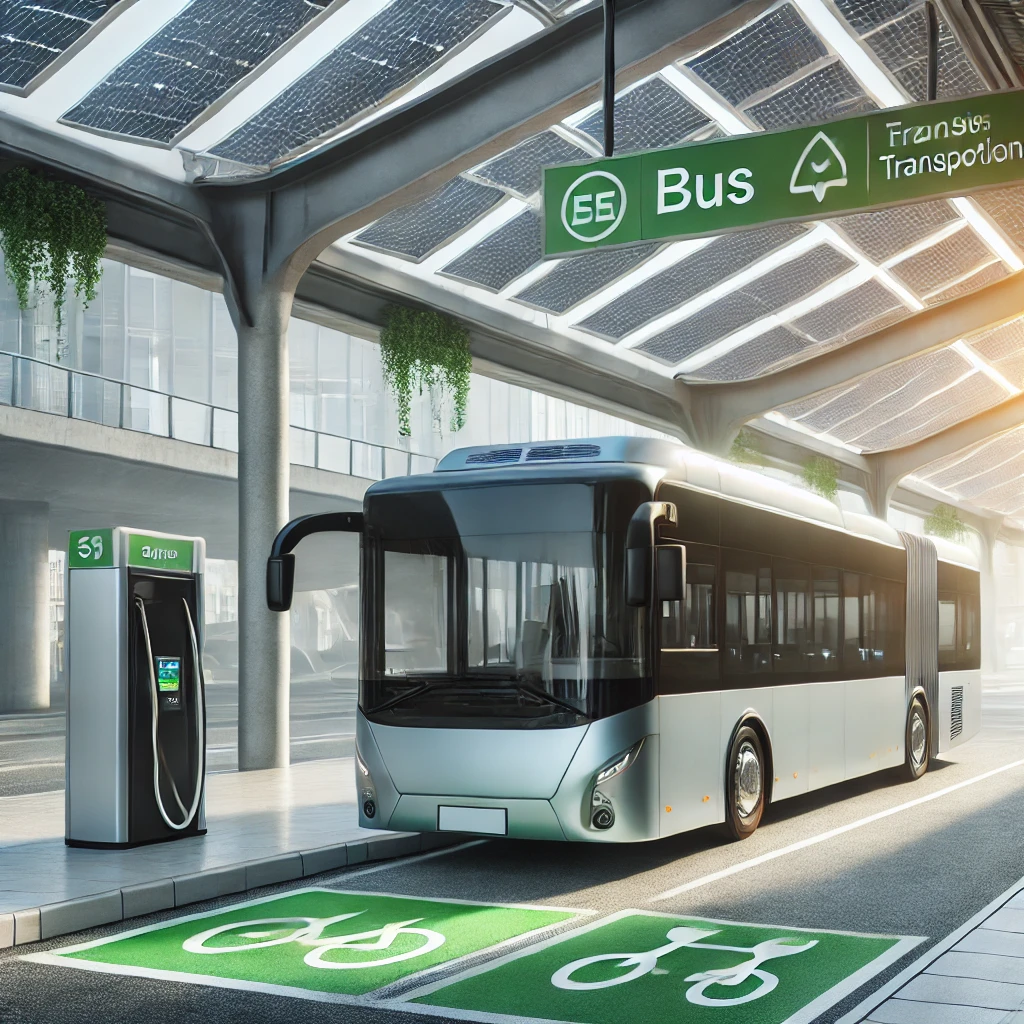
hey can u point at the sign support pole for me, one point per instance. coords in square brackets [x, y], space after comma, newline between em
[609, 77]
[933, 50]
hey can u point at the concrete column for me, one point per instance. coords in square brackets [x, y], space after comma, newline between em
[24, 606]
[263, 478]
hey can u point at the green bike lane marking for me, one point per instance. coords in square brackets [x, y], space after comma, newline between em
[315, 943]
[647, 966]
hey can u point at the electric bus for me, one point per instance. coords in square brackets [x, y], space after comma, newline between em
[618, 639]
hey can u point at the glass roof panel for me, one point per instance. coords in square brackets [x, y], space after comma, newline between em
[865, 15]
[828, 92]
[967, 398]
[949, 473]
[914, 379]
[385, 54]
[519, 169]
[503, 256]
[651, 116]
[882, 234]
[1006, 207]
[838, 319]
[902, 46]
[709, 266]
[987, 275]
[188, 65]
[760, 56]
[776, 289]
[33, 34]
[577, 277]
[998, 475]
[758, 356]
[1004, 349]
[419, 229]
[943, 263]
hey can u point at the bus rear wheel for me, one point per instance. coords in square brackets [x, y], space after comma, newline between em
[917, 741]
[744, 784]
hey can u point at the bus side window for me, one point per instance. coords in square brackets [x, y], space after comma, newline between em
[690, 624]
[748, 612]
[947, 631]
[825, 648]
[969, 648]
[792, 616]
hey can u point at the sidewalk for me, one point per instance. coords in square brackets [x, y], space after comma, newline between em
[264, 827]
[975, 976]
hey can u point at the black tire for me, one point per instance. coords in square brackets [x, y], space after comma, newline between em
[917, 741]
[745, 788]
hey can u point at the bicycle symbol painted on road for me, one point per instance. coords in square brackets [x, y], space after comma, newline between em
[690, 938]
[265, 932]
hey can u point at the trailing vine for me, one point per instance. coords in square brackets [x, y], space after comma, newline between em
[821, 475]
[51, 232]
[746, 450]
[425, 349]
[944, 521]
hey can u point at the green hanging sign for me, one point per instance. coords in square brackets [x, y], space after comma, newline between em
[890, 158]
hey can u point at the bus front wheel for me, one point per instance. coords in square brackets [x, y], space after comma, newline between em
[917, 741]
[744, 784]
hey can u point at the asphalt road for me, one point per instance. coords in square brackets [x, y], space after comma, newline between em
[322, 725]
[871, 856]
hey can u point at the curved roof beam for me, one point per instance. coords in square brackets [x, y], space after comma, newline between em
[318, 198]
[718, 411]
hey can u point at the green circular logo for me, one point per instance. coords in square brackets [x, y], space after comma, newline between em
[593, 206]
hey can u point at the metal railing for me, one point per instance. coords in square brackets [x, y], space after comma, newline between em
[30, 383]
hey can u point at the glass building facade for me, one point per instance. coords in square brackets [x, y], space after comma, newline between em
[161, 356]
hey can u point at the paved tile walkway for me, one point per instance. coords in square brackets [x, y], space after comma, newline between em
[979, 979]
[250, 815]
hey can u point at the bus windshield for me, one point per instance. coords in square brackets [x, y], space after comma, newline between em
[529, 622]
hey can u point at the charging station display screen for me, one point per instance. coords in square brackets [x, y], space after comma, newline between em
[168, 674]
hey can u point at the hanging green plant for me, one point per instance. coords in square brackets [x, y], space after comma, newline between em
[421, 348]
[51, 233]
[822, 476]
[746, 450]
[944, 521]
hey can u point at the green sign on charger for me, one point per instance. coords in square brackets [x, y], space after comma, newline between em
[901, 155]
[94, 549]
[159, 552]
[91, 549]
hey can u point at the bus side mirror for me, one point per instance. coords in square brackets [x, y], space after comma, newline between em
[640, 545]
[638, 576]
[280, 582]
[671, 572]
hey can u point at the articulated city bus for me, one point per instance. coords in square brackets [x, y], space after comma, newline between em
[618, 639]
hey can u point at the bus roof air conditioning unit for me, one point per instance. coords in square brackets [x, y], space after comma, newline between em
[495, 457]
[563, 451]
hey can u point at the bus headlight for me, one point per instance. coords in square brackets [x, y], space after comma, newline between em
[618, 764]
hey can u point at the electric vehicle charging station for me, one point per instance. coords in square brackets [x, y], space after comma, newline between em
[136, 730]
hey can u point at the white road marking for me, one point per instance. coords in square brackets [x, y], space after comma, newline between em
[26, 765]
[803, 844]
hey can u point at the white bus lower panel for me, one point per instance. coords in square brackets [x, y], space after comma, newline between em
[959, 710]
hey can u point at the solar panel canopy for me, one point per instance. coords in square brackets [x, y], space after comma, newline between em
[236, 89]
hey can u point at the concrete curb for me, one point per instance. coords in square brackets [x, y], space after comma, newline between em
[867, 1006]
[24, 926]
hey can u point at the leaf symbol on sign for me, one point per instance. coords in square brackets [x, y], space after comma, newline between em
[814, 161]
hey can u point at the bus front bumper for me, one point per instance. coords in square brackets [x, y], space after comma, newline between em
[558, 804]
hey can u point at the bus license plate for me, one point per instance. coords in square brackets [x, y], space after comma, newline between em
[491, 821]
